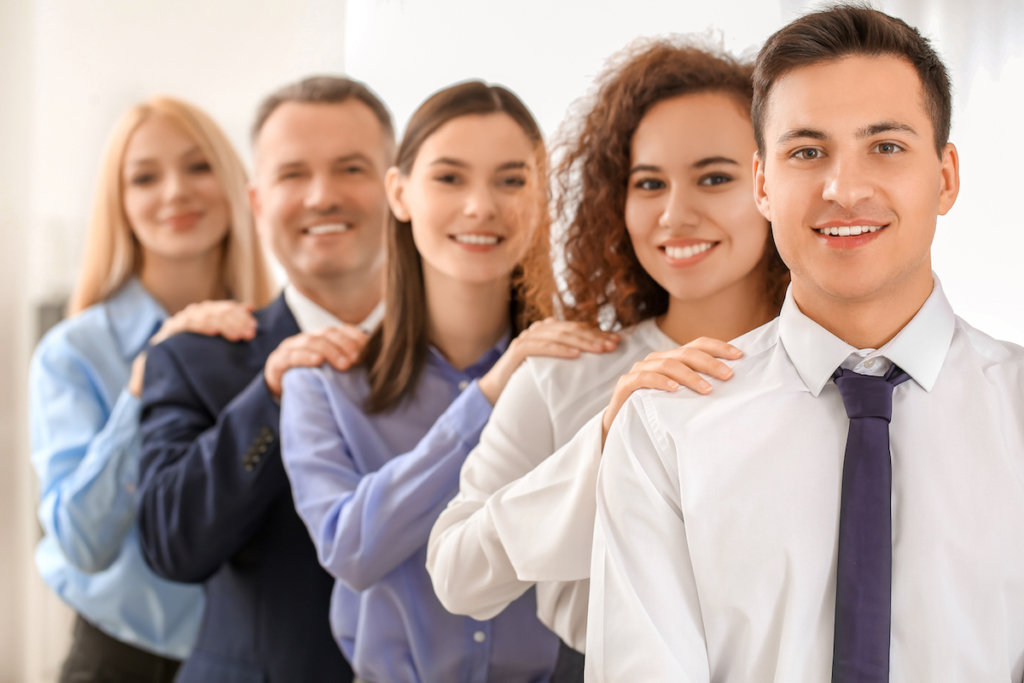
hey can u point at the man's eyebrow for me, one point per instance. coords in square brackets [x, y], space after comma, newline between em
[644, 168]
[796, 133]
[355, 156]
[714, 160]
[885, 127]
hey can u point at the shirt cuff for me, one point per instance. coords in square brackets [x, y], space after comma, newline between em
[468, 414]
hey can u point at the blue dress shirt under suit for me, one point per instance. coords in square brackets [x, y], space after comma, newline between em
[369, 488]
[215, 507]
[85, 449]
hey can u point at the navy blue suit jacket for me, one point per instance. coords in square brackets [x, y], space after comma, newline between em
[215, 507]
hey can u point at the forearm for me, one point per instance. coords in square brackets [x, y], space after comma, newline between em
[366, 524]
[90, 508]
[206, 488]
[468, 565]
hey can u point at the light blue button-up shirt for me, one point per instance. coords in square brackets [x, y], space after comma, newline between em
[369, 488]
[85, 450]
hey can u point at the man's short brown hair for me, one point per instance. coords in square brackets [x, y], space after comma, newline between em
[323, 90]
[843, 31]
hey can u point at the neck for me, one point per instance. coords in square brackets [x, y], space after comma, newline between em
[176, 283]
[350, 297]
[867, 322]
[724, 315]
[465, 319]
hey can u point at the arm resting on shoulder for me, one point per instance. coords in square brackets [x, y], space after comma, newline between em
[467, 559]
[86, 457]
[206, 484]
[365, 524]
[644, 619]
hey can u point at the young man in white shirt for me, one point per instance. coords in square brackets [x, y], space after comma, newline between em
[733, 541]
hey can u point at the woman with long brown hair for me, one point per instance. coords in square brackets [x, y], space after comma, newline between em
[663, 242]
[170, 229]
[374, 454]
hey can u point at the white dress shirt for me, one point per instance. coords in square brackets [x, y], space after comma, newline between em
[312, 317]
[525, 509]
[717, 516]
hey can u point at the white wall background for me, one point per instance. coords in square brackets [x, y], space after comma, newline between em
[69, 68]
[549, 50]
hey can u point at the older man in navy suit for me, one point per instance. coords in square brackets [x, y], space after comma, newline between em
[214, 501]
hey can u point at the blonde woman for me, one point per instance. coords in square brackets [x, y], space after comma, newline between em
[170, 229]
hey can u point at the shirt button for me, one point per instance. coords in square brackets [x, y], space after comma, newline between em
[479, 636]
[462, 387]
[870, 363]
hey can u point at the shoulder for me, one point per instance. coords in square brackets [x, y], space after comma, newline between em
[85, 338]
[344, 390]
[576, 377]
[763, 369]
[993, 354]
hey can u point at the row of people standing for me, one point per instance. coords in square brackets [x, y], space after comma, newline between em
[394, 441]
[193, 477]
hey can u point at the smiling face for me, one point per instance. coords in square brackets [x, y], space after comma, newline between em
[472, 197]
[690, 216]
[851, 180]
[175, 205]
[319, 189]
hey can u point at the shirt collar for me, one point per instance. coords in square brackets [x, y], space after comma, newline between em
[135, 316]
[919, 348]
[312, 317]
[478, 368]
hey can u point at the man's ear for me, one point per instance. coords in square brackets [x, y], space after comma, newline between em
[760, 193]
[949, 183]
[254, 202]
[394, 185]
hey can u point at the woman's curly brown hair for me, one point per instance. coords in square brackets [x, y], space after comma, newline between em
[601, 270]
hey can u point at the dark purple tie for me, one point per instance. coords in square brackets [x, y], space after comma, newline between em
[864, 570]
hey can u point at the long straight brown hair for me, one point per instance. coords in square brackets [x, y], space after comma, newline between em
[397, 352]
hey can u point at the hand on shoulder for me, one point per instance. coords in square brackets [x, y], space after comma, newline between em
[228, 318]
[668, 370]
[339, 346]
[548, 337]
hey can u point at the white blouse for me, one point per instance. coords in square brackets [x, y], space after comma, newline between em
[525, 509]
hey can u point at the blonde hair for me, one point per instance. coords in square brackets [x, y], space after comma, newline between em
[113, 253]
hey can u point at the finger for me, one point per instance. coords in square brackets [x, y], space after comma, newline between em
[678, 373]
[352, 340]
[715, 347]
[543, 347]
[238, 323]
[701, 362]
[583, 339]
[648, 380]
[584, 330]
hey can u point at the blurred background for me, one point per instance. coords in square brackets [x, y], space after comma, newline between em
[69, 68]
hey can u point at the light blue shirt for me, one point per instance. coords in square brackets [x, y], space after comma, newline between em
[369, 488]
[85, 450]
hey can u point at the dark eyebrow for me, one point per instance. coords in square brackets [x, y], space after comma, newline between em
[358, 156]
[797, 133]
[640, 168]
[512, 165]
[714, 160]
[449, 162]
[885, 127]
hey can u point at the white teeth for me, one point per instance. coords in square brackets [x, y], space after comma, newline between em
[687, 252]
[470, 238]
[849, 230]
[329, 229]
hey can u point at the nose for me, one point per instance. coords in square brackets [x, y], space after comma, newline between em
[321, 195]
[847, 182]
[176, 186]
[480, 203]
[680, 211]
